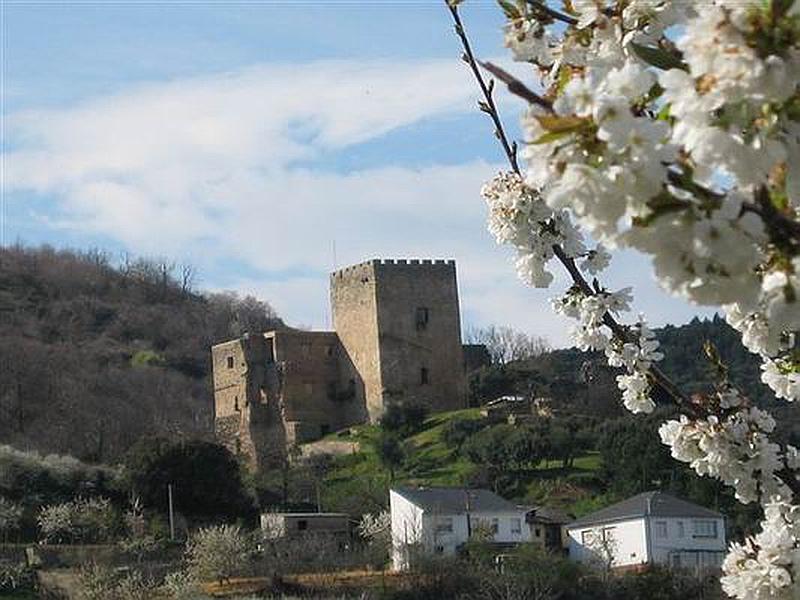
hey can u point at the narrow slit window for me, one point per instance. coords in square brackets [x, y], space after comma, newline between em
[230, 362]
[423, 317]
[424, 376]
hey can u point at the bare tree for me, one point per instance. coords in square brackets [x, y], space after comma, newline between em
[188, 277]
[505, 344]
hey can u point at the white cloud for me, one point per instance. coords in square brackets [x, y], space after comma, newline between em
[210, 168]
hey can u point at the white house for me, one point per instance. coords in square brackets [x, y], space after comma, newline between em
[651, 528]
[439, 520]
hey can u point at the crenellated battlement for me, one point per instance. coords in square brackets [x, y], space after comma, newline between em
[366, 267]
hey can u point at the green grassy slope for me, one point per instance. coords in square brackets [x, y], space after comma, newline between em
[359, 483]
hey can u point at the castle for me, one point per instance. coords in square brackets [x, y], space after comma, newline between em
[396, 339]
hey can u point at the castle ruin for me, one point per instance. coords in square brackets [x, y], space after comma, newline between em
[396, 339]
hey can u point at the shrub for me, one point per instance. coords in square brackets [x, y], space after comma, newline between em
[10, 517]
[147, 358]
[97, 582]
[100, 582]
[458, 431]
[87, 520]
[16, 577]
[405, 418]
[55, 523]
[218, 553]
[180, 585]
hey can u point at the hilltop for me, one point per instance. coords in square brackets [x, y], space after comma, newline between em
[94, 354]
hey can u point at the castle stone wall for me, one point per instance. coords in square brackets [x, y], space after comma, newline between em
[397, 339]
[419, 329]
[355, 320]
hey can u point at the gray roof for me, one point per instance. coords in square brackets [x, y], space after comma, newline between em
[546, 514]
[653, 504]
[455, 500]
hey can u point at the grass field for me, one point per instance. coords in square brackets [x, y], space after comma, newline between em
[359, 482]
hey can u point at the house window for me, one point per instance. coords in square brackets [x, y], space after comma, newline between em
[424, 376]
[271, 351]
[439, 549]
[587, 537]
[495, 526]
[236, 403]
[681, 531]
[538, 532]
[423, 316]
[516, 526]
[444, 525]
[230, 362]
[705, 529]
[661, 529]
[329, 350]
[676, 560]
[302, 525]
[608, 534]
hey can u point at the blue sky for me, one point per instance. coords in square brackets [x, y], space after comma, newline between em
[250, 138]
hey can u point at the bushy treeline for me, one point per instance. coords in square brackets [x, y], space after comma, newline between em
[59, 499]
[582, 380]
[528, 572]
[94, 352]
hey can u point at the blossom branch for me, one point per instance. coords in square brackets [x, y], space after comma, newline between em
[658, 377]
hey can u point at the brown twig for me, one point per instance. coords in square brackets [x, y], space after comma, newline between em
[488, 106]
[515, 86]
[550, 12]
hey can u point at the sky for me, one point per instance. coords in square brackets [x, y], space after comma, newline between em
[268, 143]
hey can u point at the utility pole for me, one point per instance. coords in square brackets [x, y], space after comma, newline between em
[467, 509]
[171, 514]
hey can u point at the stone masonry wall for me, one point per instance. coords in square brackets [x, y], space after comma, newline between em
[419, 328]
[355, 320]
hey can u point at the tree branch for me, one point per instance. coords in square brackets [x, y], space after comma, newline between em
[540, 6]
[619, 331]
[516, 87]
[490, 107]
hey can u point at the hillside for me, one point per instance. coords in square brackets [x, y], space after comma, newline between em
[94, 355]
[357, 482]
[582, 381]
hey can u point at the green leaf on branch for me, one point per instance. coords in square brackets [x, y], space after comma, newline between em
[511, 11]
[552, 136]
[658, 57]
[561, 124]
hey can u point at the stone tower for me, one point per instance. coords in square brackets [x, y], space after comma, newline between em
[399, 325]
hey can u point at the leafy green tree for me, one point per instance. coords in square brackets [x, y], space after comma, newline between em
[404, 418]
[390, 453]
[205, 477]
